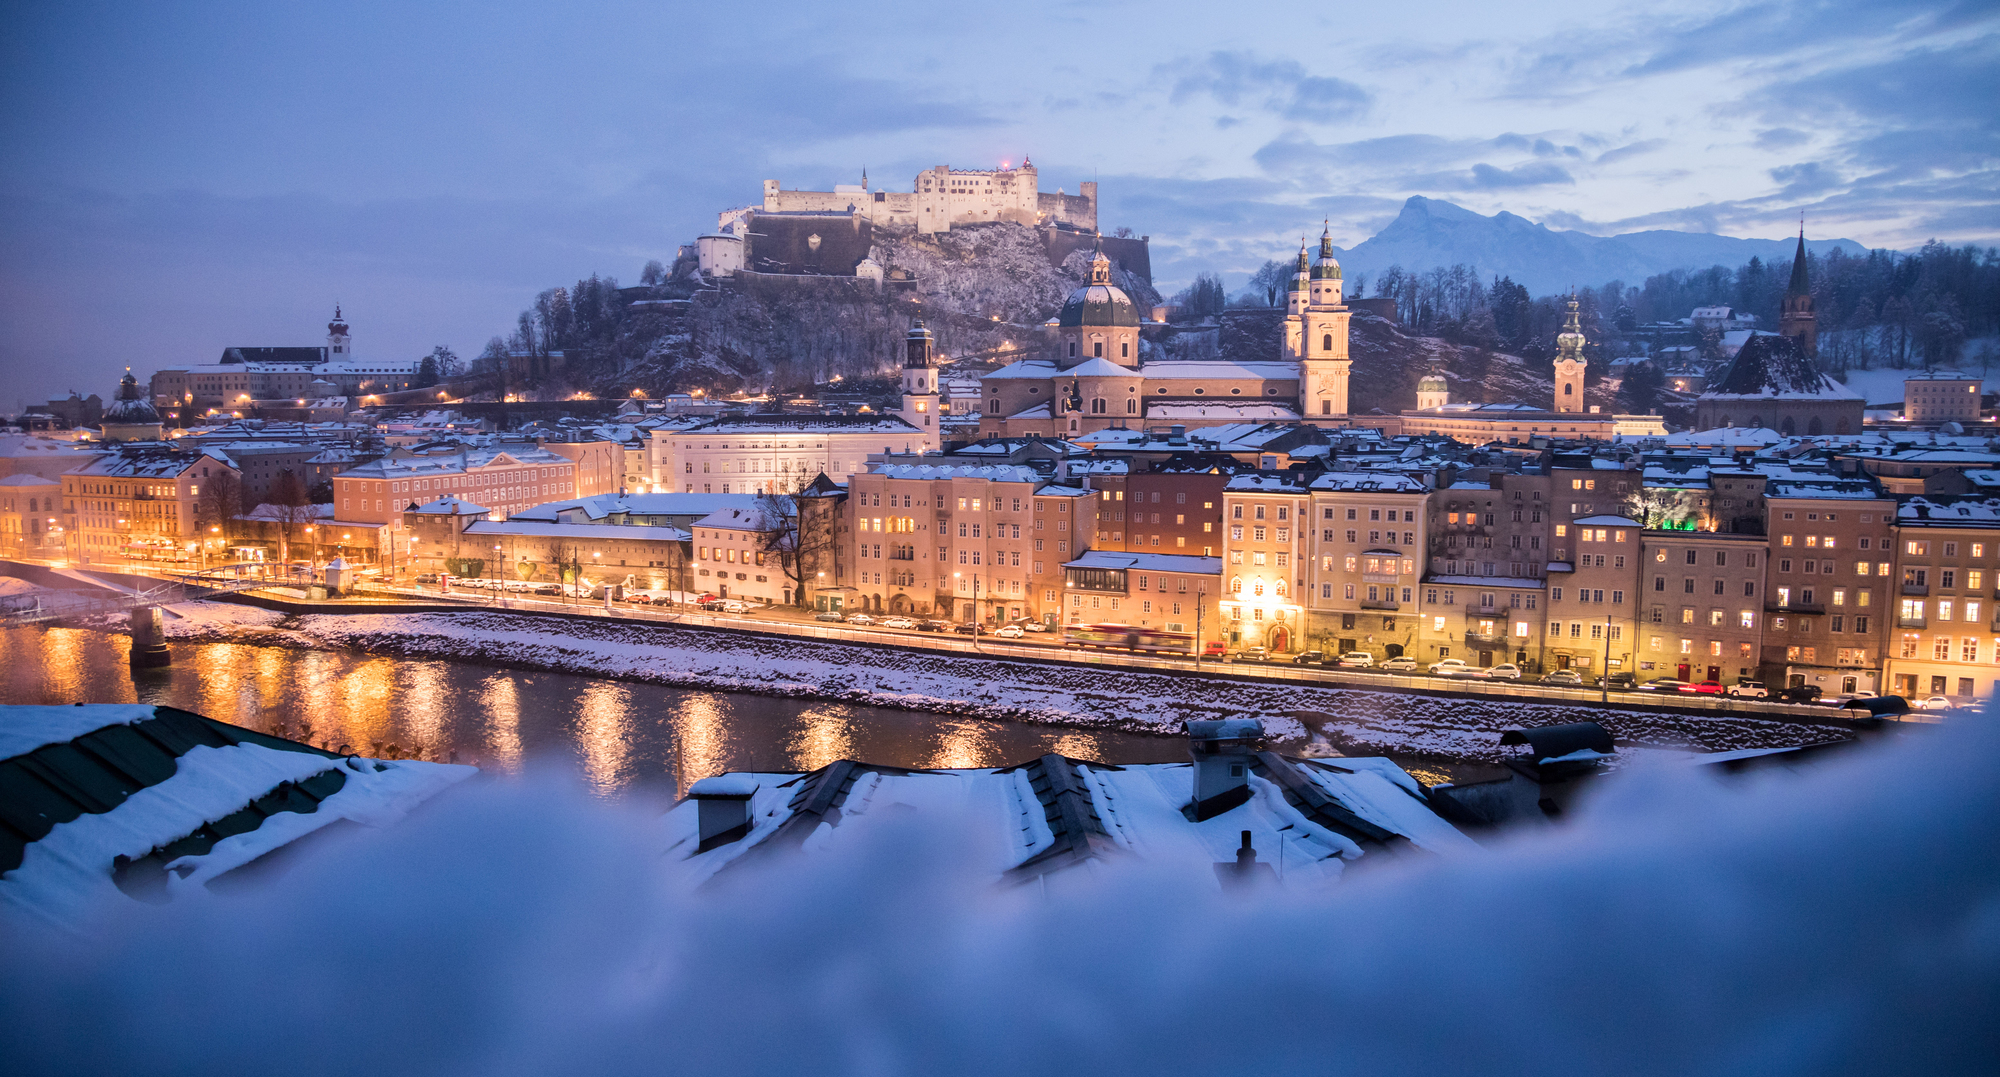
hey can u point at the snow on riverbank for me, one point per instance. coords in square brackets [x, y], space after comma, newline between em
[1352, 721]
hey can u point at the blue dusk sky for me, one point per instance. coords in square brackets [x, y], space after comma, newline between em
[178, 178]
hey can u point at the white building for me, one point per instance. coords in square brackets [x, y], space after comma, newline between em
[750, 454]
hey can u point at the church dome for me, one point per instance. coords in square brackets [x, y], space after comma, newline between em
[1327, 268]
[129, 409]
[1432, 383]
[1100, 302]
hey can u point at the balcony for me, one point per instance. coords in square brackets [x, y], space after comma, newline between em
[1385, 604]
[1912, 622]
[1802, 608]
[902, 555]
[1478, 639]
[1488, 613]
[1916, 589]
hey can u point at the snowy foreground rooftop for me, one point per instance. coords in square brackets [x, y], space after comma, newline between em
[1307, 819]
[157, 802]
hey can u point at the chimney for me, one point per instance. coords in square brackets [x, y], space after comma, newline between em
[1221, 754]
[1178, 430]
[723, 806]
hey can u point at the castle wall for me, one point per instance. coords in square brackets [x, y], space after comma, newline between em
[943, 197]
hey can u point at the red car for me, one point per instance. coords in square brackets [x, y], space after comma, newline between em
[1707, 688]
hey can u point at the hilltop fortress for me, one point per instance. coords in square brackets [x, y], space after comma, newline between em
[945, 196]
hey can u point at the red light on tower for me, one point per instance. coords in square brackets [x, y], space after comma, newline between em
[1004, 165]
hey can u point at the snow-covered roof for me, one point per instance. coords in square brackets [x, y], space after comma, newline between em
[1148, 562]
[1026, 368]
[1258, 483]
[1218, 370]
[1054, 813]
[451, 506]
[932, 472]
[178, 775]
[1248, 409]
[607, 532]
[631, 504]
[148, 462]
[1973, 510]
[1607, 521]
[1369, 482]
[881, 423]
[28, 480]
[1100, 367]
[755, 518]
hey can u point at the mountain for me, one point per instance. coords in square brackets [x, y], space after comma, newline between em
[1430, 233]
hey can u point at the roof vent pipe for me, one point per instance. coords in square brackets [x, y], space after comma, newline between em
[723, 807]
[1221, 752]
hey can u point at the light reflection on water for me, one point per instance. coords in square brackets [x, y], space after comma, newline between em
[617, 735]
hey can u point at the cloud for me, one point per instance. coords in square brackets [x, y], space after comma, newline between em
[1804, 179]
[1533, 174]
[1281, 87]
[1630, 150]
[1781, 138]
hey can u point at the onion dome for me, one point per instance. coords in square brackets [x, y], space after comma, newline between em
[1100, 302]
[1432, 383]
[338, 326]
[1298, 281]
[1569, 342]
[130, 409]
[1326, 268]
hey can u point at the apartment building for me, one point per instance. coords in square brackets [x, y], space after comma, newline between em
[1486, 585]
[1367, 531]
[1167, 592]
[1592, 608]
[1946, 637]
[738, 554]
[1704, 607]
[774, 453]
[1827, 582]
[967, 541]
[1177, 511]
[144, 502]
[505, 479]
[30, 521]
[599, 466]
[1262, 553]
[1482, 620]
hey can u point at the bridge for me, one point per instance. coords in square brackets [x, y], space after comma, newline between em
[103, 596]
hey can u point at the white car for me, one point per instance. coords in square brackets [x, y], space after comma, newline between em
[1034, 626]
[899, 622]
[1400, 664]
[730, 605]
[1357, 660]
[1450, 667]
[860, 619]
[1935, 703]
[1009, 632]
[1505, 671]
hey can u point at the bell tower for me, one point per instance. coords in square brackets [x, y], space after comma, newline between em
[1570, 362]
[1322, 343]
[920, 384]
[1795, 313]
[337, 344]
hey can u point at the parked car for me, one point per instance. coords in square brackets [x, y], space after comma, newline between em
[1749, 690]
[1309, 658]
[1663, 684]
[899, 622]
[1621, 682]
[1566, 677]
[1357, 660]
[1252, 654]
[427, 577]
[1703, 688]
[1214, 650]
[1034, 626]
[860, 619]
[1009, 632]
[730, 605]
[932, 626]
[823, 615]
[1800, 693]
[1935, 703]
[1400, 664]
[1505, 671]
[1450, 667]
[966, 628]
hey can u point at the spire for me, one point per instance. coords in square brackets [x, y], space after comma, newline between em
[1569, 342]
[1327, 268]
[1800, 285]
[1100, 266]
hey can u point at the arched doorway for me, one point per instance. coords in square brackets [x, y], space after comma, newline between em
[1281, 640]
[899, 603]
[1392, 650]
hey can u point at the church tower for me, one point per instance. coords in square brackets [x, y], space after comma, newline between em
[1433, 392]
[337, 344]
[1297, 291]
[1322, 352]
[1795, 313]
[1570, 362]
[920, 384]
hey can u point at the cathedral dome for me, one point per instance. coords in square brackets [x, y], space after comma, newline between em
[130, 409]
[1432, 383]
[1327, 268]
[1100, 302]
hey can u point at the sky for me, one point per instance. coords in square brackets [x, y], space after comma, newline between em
[179, 178]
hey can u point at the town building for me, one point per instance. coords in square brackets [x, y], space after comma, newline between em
[1828, 582]
[508, 478]
[1941, 396]
[740, 553]
[1704, 606]
[1946, 636]
[774, 453]
[1171, 593]
[1774, 382]
[30, 517]
[149, 502]
[130, 418]
[1365, 535]
[1263, 553]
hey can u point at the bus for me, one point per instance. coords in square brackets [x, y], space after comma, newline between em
[1129, 637]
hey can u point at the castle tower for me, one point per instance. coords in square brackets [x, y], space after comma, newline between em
[1322, 355]
[1570, 362]
[1432, 392]
[337, 343]
[1795, 314]
[920, 384]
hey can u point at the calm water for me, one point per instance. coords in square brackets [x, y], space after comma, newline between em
[618, 735]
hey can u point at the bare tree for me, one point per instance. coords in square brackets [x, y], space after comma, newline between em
[292, 510]
[800, 533]
[218, 505]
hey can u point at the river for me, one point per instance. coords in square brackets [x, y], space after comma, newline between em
[618, 735]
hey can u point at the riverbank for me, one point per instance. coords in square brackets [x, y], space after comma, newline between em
[1336, 719]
